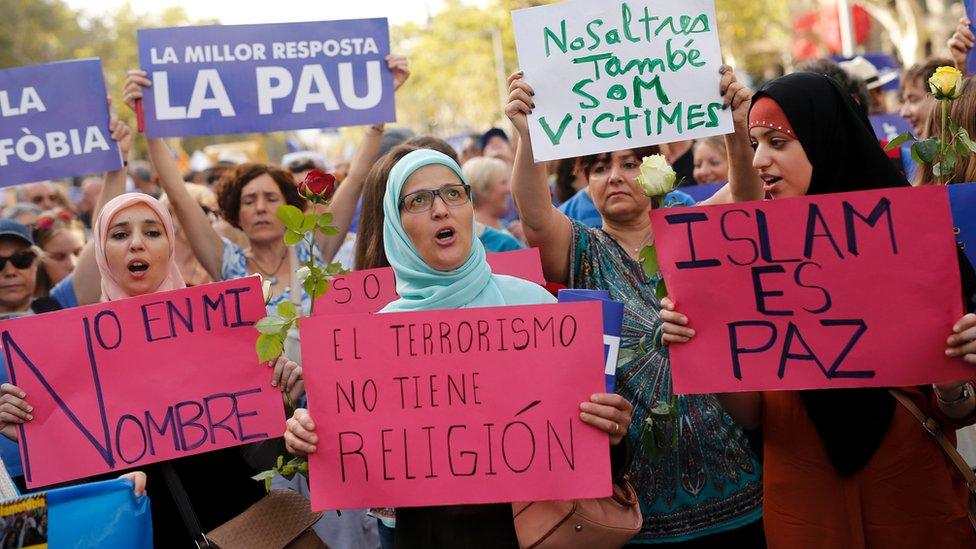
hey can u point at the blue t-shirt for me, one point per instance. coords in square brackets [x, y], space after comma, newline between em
[499, 241]
[581, 207]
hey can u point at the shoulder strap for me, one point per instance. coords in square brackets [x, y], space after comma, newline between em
[184, 506]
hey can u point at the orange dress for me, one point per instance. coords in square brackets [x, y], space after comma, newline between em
[909, 495]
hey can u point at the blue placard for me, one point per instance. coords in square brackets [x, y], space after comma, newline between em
[702, 191]
[971, 14]
[888, 126]
[962, 199]
[54, 122]
[613, 320]
[257, 78]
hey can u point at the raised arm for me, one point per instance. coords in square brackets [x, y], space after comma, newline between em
[87, 279]
[207, 245]
[960, 43]
[744, 182]
[545, 227]
[343, 204]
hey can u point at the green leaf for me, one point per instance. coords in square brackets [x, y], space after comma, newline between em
[329, 230]
[303, 468]
[292, 238]
[270, 325]
[291, 216]
[264, 475]
[324, 219]
[321, 287]
[648, 260]
[927, 149]
[949, 163]
[915, 157]
[897, 142]
[661, 291]
[309, 223]
[269, 347]
[287, 309]
[965, 138]
[962, 149]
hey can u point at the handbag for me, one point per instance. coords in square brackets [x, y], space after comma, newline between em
[934, 428]
[282, 519]
[601, 523]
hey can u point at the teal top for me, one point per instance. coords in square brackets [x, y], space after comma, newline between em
[712, 483]
[422, 287]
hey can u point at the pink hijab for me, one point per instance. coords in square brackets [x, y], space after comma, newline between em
[111, 289]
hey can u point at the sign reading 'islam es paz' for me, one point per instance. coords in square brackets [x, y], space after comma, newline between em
[455, 406]
[256, 78]
[843, 290]
[617, 75]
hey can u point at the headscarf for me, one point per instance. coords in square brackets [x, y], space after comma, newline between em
[846, 156]
[111, 289]
[422, 287]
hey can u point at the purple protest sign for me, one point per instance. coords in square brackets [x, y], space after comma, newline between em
[54, 122]
[224, 79]
[888, 126]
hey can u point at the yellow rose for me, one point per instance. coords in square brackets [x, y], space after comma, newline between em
[656, 176]
[946, 83]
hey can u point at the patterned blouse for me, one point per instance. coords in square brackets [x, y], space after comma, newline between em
[235, 266]
[713, 482]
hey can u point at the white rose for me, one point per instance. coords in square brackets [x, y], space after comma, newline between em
[656, 176]
[265, 287]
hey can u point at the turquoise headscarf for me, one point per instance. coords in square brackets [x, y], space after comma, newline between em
[423, 288]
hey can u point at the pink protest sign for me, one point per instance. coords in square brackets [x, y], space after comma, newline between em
[455, 406]
[121, 384]
[370, 290]
[843, 290]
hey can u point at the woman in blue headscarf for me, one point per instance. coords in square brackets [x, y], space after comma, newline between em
[428, 236]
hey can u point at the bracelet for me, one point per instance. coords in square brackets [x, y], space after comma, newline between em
[962, 398]
[378, 128]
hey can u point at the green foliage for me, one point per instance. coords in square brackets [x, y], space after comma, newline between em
[926, 149]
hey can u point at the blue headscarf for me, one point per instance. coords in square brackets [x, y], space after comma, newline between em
[422, 287]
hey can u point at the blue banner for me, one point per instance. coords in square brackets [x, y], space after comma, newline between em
[54, 122]
[971, 14]
[257, 78]
[888, 126]
[962, 199]
[613, 320]
[702, 191]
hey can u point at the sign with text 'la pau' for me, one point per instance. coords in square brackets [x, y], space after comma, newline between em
[152, 378]
[370, 290]
[855, 289]
[618, 75]
[455, 406]
[224, 79]
[54, 122]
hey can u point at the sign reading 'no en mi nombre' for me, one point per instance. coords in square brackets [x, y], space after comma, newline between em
[616, 75]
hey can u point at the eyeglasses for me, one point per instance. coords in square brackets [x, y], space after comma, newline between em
[422, 201]
[21, 260]
[39, 198]
[299, 166]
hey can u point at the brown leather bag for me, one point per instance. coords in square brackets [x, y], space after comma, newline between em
[280, 520]
[603, 523]
[934, 428]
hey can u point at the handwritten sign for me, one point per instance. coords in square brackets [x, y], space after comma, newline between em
[54, 122]
[618, 75]
[962, 198]
[370, 290]
[152, 378]
[455, 406]
[223, 79]
[844, 290]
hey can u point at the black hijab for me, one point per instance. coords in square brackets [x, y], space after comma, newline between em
[846, 156]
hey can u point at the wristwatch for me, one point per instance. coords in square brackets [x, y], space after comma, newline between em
[963, 396]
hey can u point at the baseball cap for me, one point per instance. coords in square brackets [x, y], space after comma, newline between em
[10, 228]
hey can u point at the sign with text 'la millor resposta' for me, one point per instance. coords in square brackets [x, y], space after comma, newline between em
[617, 75]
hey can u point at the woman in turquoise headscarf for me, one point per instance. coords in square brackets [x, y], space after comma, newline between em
[428, 237]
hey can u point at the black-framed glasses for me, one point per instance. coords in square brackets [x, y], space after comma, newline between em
[21, 260]
[422, 201]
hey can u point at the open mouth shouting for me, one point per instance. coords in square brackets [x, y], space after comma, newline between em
[445, 236]
[769, 183]
[138, 268]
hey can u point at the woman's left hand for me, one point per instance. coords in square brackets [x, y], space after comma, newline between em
[608, 412]
[122, 135]
[962, 342]
[400, 68]
[287, 376]
[138, 479]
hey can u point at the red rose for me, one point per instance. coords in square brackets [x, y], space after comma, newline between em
[318, 184]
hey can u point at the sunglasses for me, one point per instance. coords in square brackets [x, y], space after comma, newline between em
[21, 260]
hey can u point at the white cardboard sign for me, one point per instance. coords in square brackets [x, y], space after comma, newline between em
[620, 74]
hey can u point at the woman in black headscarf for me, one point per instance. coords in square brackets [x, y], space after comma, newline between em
[844, 468]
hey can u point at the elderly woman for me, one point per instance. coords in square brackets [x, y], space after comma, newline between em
[708, 490]
[849, 467]
[428, 236]
[490, 192]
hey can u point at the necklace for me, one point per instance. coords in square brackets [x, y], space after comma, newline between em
[644, 242]
[270, 276]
